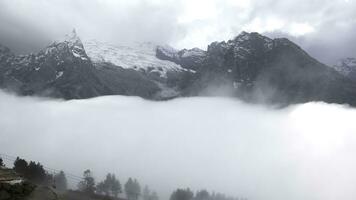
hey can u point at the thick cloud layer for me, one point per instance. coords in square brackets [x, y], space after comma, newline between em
[325, 28]
[302, 152]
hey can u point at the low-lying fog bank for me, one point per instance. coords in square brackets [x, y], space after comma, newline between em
[301, 152]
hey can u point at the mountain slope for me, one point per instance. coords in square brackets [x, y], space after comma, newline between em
[251, 67]
[259, 69]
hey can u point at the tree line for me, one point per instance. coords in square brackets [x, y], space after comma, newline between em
[111, 187]
[187, 194]
[36, 173]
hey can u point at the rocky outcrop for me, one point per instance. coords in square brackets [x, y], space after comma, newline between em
[188, 58]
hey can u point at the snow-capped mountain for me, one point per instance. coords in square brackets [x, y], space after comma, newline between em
[139, 56]
[62, 69]
[250, 66]
[346, 67]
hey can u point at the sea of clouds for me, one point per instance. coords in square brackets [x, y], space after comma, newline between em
[304, 151]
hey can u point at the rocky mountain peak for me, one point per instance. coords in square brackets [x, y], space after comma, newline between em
[72, 38]
[244, 46]
[245, 36]
[70, 46]
[72, 34]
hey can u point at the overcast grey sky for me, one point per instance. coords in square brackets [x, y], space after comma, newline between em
[325, 28]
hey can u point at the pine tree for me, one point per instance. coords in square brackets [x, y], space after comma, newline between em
[60, 181]
[202, 195]
[116, 186]
[137, 189]
[154, 196]
[110, 186]
[182, 194]
[35, 172]
[87, 185]
[146, 193]
[20, 166]
[132, 189]
[129, 189]
[101, 188]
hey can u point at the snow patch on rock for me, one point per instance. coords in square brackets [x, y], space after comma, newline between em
[59, 74]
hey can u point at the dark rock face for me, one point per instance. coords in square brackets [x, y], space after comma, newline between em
[252, 67]
[259, 69]
[187, 58]
[127, 81]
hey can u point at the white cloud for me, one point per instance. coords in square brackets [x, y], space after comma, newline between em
[197, 10]
[299, 29]
[265, 25]
[301, 152]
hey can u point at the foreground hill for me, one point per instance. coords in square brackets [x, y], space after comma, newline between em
[251, 67]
